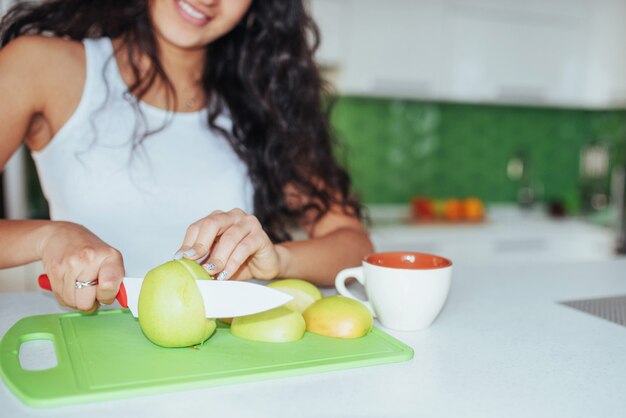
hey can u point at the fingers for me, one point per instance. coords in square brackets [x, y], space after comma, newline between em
[89, 264]
[73, 268]
[238, 256]
[110, 275]
[193, 249]
[85, 297]
[226, 241]
[190, 238]
[68, 295]
[55, 275]
[77, 255]
[201, 235]
[237, 244]
[234, 247]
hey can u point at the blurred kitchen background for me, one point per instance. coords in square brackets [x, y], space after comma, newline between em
[518, 103]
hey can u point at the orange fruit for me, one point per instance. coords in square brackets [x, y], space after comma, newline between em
[453, 210]
[473, 209]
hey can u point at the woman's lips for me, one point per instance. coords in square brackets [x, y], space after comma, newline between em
[191, 14]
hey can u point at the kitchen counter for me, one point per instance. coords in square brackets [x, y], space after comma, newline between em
[508, 235]
[502, 347]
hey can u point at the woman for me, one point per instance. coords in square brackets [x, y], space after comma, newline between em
[149, 118]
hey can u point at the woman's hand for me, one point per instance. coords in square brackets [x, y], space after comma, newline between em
[71, 253]
[232, 244]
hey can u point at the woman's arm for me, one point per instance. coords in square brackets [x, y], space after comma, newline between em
[236, 247]
[337, 241]
[69, 253]
[23, 97]
[40, 85]
[21, 241]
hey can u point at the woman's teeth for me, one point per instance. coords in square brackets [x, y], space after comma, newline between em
[190, 10]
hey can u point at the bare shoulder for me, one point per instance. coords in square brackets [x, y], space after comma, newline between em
[39, 46]
[42, 81]
[43, 57]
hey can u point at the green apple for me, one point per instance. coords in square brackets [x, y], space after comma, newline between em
[171, 309]
[338, 316]
[303, 292]
[277, 325]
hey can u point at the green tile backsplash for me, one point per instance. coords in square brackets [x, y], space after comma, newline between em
[400, 148]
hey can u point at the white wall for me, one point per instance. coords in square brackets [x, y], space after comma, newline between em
[4, 4]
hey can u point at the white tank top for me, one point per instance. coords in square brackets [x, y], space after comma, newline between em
[139, 201]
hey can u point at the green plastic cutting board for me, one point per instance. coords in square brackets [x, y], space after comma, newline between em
[105, 355]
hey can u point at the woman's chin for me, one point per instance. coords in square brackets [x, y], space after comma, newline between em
[182, 40]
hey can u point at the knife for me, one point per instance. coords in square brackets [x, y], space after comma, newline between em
[222, 299]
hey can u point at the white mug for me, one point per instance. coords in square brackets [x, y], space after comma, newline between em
[406, 290]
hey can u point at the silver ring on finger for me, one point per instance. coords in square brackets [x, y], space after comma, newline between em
[80, 285]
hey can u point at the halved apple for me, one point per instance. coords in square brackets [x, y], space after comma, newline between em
[171, 309]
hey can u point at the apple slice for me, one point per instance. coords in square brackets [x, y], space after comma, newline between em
[303, 292]
[338, 316]
[277, 325]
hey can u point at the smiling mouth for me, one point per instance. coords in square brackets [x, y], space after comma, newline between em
[191, 14]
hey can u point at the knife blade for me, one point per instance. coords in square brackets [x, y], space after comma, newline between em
[222, 299]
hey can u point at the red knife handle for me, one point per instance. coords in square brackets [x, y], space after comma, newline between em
[44, 283]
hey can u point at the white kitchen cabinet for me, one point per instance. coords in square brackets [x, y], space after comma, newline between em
[515, 52]
[559, 52]
[606, 59]
[393, 48]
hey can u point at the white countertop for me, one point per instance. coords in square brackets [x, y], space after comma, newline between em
[502, 347]
[508, 235]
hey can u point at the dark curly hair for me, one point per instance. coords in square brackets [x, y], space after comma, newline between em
[264, 74]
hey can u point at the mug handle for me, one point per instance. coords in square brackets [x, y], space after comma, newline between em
[340, 284]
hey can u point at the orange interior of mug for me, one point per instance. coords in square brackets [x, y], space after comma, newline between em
[408, 260]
